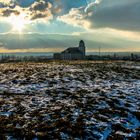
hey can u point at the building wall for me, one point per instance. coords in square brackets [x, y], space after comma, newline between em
[69, 56]
[76, 57]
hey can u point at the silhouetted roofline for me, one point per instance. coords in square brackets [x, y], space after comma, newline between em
[72, 50]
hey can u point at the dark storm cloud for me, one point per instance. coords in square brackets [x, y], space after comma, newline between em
[38, 16]
[8, 12]
[120, 14]
[56, 7]
[41, 9]
[38, 9]
[62, 6]
[36, 41]
[40, 6]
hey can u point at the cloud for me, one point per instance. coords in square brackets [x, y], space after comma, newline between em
[7, 12]
[108, 23]
[5, 1]
[1, 44]
[91, 5]
[76, 17]
[41, 9]
[108, 39]
[118, 14]
[38, 10]
[40, 6]
[38, 15]
[80, 16]
[56, 7]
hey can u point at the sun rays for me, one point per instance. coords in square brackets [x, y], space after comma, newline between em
[18, 22]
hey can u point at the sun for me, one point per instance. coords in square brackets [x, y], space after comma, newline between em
[18, 22]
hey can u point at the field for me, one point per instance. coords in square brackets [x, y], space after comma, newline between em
[70, 100]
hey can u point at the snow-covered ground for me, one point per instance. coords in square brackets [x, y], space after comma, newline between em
[70, 100]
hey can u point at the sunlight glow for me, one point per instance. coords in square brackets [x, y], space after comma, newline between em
[18, 22]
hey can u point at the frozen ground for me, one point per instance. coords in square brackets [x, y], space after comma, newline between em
[75, 100]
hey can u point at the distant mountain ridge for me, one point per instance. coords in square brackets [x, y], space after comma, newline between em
[59, 42]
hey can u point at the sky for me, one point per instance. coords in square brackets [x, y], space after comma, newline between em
[54, 25]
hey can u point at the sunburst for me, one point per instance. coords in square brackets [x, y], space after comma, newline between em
[18, 22]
